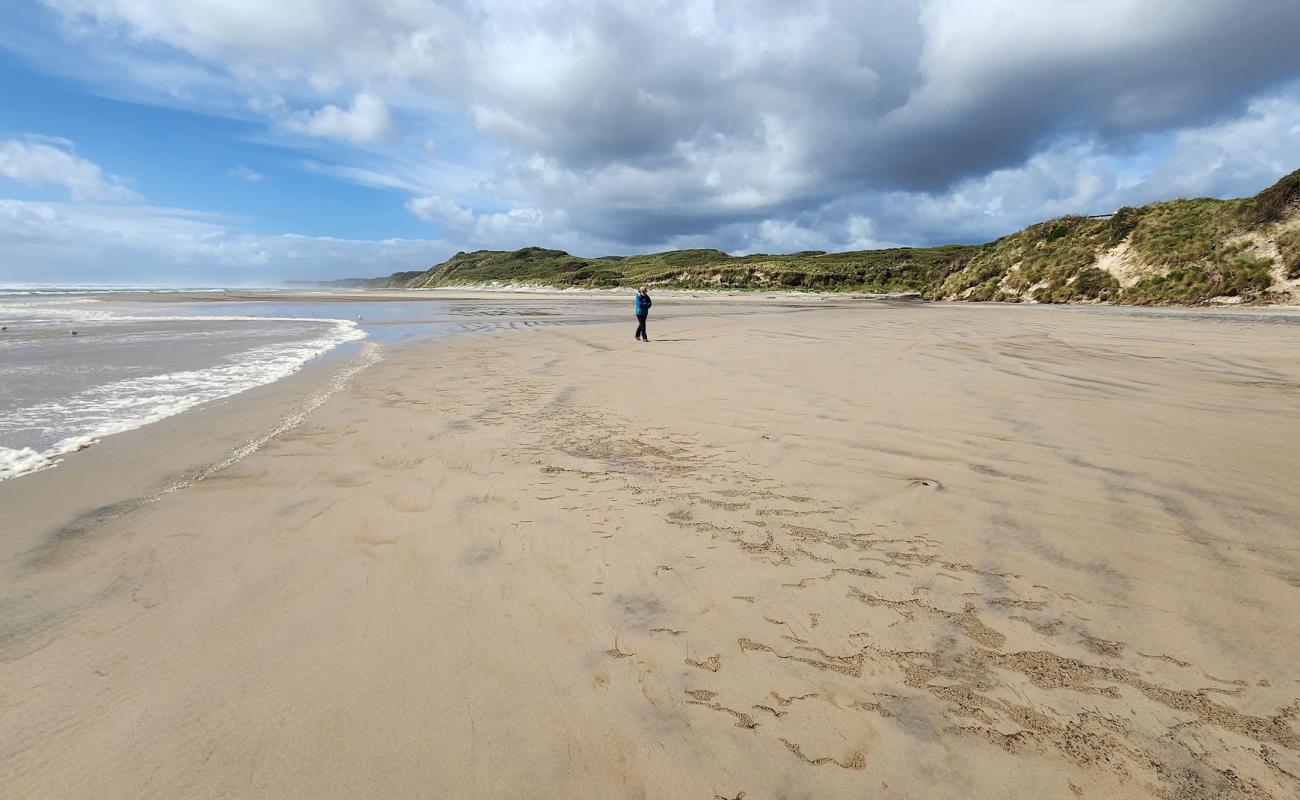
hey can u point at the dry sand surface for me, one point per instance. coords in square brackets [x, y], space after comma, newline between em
[896, 551]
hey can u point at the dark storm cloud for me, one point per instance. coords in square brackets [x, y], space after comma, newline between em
[779, 110]
[1171, 65]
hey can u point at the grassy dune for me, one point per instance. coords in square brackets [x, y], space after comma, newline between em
[901, 269]
[1183, 252]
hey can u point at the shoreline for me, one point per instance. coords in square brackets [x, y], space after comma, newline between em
[185, 297]
[726, 296]
[969, 554]
[122, 470]
[500, 293]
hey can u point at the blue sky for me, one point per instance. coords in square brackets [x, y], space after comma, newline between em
[184, 159]
[232, 142]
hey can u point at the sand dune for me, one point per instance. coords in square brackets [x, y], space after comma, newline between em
[893, 551]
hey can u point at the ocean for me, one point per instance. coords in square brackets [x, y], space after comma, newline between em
[81, 363]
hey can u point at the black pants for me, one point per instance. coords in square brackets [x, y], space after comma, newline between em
[640, 326]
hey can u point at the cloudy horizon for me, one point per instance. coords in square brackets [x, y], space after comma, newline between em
[230, 143]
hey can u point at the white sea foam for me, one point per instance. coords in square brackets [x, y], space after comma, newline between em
[369, 355]
[88, 309]
[85, 417]
[18, 462]
[55, 289]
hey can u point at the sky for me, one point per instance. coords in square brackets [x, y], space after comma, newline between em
[246, 142]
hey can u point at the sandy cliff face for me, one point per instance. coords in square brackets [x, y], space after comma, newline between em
[1178, 252]
[1285, 248]
[1265, 259]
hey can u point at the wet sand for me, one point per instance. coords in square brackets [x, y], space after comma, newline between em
[890, 551]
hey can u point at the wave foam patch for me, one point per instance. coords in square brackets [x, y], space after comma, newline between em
[21, 461]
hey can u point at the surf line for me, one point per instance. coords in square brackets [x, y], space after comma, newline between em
[369, 356]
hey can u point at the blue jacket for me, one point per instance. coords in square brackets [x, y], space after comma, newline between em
[642, 304]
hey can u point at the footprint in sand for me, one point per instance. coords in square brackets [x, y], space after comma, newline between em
[713, 663]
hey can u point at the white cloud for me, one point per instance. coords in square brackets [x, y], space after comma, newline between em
[511, 229]
[630, 125]
[92, 242]
[440, 210]
[38, 160]
[246, 173]
[1234, 156]
[367, 120]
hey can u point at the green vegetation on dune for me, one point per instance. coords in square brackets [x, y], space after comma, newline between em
[1288, 249]
[1183, 252]
[1276, 202]
[1043, 260]
[1188, 251]
[895, 270]
[901, 269]
[529, 265]
[1177, 252]
[1184, 231]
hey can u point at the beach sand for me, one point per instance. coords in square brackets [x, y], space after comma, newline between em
[894, 551]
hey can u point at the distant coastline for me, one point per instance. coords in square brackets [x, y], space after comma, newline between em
[1180, 252]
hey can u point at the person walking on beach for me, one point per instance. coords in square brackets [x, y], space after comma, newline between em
[642, 311]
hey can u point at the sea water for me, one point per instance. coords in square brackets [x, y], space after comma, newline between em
[79, 364]
[74, 369]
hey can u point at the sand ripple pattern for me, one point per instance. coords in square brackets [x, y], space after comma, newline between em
[861, 626]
